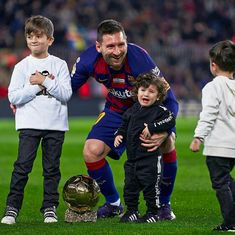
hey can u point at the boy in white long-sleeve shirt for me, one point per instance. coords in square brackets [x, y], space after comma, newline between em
[216, 128]
[39, 89]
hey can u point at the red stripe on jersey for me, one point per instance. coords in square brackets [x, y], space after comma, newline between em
[119, 105]
[101, 66]
[127, 67]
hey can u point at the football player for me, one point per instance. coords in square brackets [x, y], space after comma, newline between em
[115, 63]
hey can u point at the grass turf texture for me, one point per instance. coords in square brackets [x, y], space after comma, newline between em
[193, 200]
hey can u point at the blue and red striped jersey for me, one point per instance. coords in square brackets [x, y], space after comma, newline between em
[119, 83]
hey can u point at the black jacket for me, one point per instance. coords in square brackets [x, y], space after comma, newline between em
[158, 118]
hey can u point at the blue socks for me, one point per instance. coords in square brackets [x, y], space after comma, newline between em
[168, 177]
[102, 173]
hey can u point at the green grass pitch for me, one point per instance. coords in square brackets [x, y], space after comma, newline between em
[193, 200]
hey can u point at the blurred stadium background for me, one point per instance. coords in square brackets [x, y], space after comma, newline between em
[177, 34]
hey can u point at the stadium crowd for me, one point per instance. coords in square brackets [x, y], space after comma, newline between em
[177, 34]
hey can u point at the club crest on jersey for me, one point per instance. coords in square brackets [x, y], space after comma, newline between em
[131, 79]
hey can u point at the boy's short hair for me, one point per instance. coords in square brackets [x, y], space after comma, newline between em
[39, 24]
[223, 54]
[151, 78]
[109, 26]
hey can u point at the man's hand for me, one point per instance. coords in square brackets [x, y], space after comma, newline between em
[154, 142]
[13, 108]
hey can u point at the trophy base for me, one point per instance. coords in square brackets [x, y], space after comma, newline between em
[72, 216]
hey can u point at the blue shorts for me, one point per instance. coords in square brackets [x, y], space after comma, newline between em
[104, 129]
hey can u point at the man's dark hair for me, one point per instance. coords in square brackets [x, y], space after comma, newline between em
[109, 26]
[39, 24]
[223, 54]
[151, 78]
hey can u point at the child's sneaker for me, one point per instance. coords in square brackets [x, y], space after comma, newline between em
[108, 210]
[10, 215]
[149, 218]
[50, 215]
[130, 216]
[225, 228]
[166, 213]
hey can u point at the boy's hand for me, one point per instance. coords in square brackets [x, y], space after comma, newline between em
[146, 134]
[118, 140]
[37, 78]
[13, 108]
[195, 145]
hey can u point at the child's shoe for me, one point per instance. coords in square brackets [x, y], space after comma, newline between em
[50, 215]
[130, 216]
[10, 215]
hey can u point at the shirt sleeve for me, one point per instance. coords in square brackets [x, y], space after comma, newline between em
[60, 86]
[210, 110]
[20, 91]
[171, 103]
[83, 68]
[140, 62]
[165, 121]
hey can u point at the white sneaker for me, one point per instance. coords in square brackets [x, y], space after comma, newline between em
[50, 220]
[10, 215]
[8, 220]
[50, 215]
